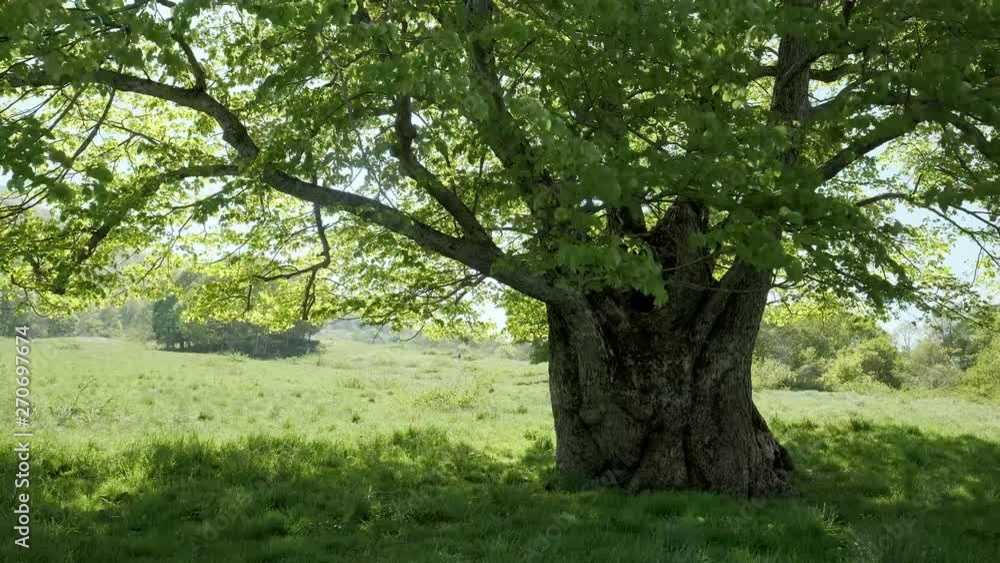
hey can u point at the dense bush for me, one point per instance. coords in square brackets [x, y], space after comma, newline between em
[166, 322]
[962, 339]
[130, 319]
[870, 362]
[805, 334]
[768, 373]
[984, 375]
[800, 343]
[103, 322]
[929, 365]
[538, 352]
[171, 332]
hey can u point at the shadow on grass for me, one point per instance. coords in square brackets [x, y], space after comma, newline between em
[868, 493]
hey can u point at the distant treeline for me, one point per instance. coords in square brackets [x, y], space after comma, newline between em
[839, 350]
[173, 333]
[132, 320]
[161, 322]
[468, 348]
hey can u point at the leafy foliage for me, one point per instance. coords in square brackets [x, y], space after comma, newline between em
[962, 338]
[131, 320]
[984, 376]
[811, 333]
[872, 361]
[384, 159]
[167, 322]
[769, 373]
[930, 364]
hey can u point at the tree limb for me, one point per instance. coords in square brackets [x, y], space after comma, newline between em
[233, 130]
[412, 168]
[90, 136]
[324, 253]
[975, 137]
[501, 133]
[881, 197]
[887, 130]
[472, 254]
[101, 232]
[484, 259]
[825, 75]
[196, 69]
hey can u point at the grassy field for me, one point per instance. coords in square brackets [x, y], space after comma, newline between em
[390, 454]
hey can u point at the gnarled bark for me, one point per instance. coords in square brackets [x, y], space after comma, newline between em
[641, 400]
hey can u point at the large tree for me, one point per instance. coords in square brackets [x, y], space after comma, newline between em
[648, 171]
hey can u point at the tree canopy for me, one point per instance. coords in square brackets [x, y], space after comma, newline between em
[385, 159]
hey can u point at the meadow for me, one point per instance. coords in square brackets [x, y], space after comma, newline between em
[393, 453]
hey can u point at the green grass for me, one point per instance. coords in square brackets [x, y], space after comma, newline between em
[383, 453]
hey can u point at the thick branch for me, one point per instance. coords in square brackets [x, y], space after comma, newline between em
[881, 197]
[887, 130]
[324, 253]
[826, 75]
[309, 294]
[425, 179]
[196, 69]
[973, 135]
[914, 113]
[501, 133]
[740, 279]
[482, 258]
[233, 131]
[506, 140]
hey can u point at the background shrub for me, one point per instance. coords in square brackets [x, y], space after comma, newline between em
[984, 375]
[929, 365]
[769, 373]
[870, 362]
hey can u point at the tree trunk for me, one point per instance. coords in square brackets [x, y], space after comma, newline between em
[641, 400]
[649, 396]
